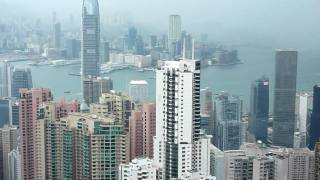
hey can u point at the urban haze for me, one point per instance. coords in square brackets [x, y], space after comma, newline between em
[159, 89]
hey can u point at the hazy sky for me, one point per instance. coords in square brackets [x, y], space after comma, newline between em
[287, 23]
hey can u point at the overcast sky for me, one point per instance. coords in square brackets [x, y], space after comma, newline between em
[290, 23]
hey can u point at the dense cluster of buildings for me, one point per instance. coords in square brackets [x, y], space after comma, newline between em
[188, 133]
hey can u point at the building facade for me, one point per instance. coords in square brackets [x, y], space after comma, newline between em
[302, 123]
[259, 109]
[142, 128]
[317, 161]
[93, 88]
[178, 117]
[90, 42]
[14, 160]
[174, 34]
[228, 125]
[29, 102]
[315, 117]
[138, 90]
[8, 142]
[284, 98]
[143, 169]
[5, 79]
[21, 78]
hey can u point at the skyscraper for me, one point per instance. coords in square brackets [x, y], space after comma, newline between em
[73, 48]
[138, 90]
[315, 118]
[57, 35]
[93, 87]
[178, 117]
[132, 37]
[284, 98]
[5, 118]
[174, 32]
[5, 79]
[302, 123]
[21, 78]
[228, 125]
[259, 109]
[207, 123]
[29, 102]
[105, 52]
[90, 52]
[153, 42]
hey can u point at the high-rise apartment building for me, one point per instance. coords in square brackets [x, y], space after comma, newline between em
[178, 117]
[138, 90]
[90, 52]
[98, 151]
[57, 35]
[29, 102]
[21, 78]
[8, 142]
[228, 125]
[78, 145]
[315, 118]
[93, 87]
[259, 109]
[116, 104]
[142, 128]
[284, 98]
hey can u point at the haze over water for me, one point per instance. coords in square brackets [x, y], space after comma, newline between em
[233, 79]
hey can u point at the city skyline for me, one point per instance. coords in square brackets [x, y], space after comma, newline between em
[95, 94]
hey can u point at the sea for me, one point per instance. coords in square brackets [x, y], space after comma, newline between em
[234, 79]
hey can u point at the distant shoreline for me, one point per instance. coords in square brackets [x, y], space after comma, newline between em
[226, 64]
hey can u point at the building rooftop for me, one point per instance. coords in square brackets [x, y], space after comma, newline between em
[138, 82]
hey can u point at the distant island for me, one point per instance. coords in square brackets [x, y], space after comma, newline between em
[225, 58]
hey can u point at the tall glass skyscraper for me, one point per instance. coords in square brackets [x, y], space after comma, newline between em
[284, 97]
[174, 33]
[315, 118]
[259, 109]
[21, 78]
[228, 126]
[90, 52]
[5, 79]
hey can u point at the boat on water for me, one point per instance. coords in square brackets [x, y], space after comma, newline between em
[67, 92]
[63, 62]
[39, 63]
[108, 68]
